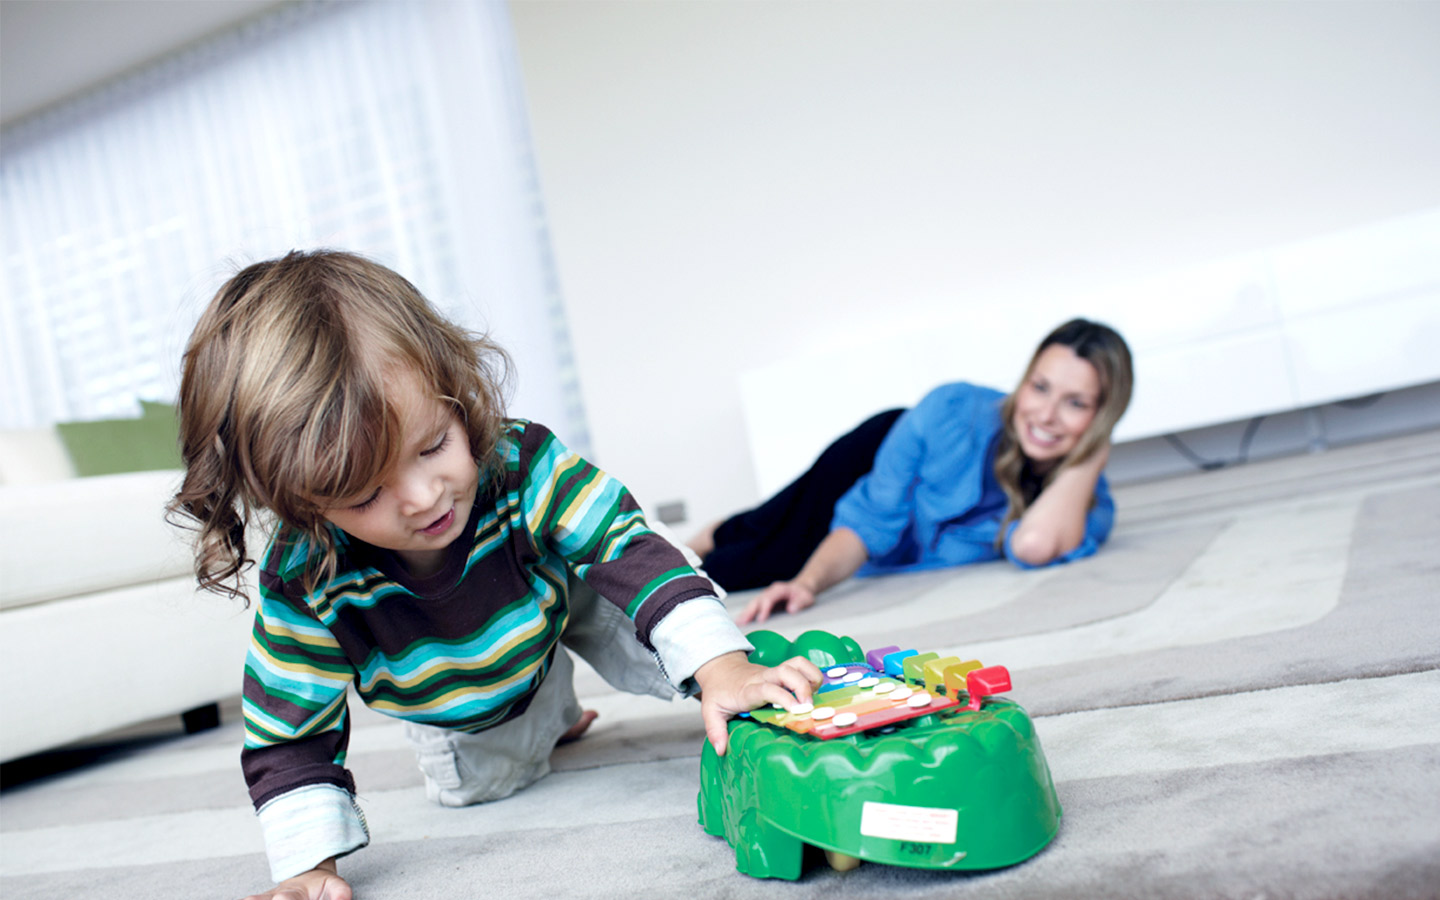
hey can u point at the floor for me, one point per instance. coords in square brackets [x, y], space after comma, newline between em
[1235, 697]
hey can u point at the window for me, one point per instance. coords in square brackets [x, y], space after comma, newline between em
[393, 129]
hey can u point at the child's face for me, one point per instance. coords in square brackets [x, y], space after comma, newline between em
[423, 504]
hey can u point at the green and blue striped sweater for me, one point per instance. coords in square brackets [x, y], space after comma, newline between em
[465, 648]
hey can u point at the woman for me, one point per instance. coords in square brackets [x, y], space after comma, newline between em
[966, 476]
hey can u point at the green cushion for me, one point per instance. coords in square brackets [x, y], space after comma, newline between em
[153, 409]
[111, 446]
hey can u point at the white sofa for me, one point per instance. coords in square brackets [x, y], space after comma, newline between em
[101, 623]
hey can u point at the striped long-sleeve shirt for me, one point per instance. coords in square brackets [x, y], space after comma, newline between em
[465, 648]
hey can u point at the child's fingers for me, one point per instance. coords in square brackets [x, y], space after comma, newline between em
[785, 685]
[313, 885]
[805, 667]
[792, 676]
[717, 731]
[716, 709]
[781, 694]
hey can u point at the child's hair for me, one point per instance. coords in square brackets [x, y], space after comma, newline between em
[284, 403]
[1102, 347]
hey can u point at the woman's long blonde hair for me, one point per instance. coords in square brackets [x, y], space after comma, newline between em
[1102, 347]
[284, 401]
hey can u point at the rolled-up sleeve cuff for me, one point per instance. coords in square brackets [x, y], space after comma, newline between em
[878, 540]
[309, 825]
[691, 635]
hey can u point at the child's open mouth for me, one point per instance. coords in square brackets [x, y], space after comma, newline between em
[439, 525]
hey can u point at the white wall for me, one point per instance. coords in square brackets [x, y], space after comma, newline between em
[731, 183]
[1289, 327]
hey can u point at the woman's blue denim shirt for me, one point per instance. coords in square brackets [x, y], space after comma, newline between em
[916, 508]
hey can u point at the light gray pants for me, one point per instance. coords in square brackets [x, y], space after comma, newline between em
[461, 769]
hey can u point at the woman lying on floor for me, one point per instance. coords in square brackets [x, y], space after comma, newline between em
[968, 475]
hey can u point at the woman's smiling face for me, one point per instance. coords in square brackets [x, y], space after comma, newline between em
[1055, 404]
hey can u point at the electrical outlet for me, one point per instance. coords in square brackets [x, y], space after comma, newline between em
[672, 513]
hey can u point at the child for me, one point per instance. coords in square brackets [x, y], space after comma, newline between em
[426, 552]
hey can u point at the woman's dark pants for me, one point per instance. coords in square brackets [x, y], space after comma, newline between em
[772, 541]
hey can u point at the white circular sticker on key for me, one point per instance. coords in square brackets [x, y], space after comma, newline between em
[868, 681]
[837, 672]
[822, 712]
[919, 700]
[801, 709]
[884, 687]
[844, 720]
[901, 693]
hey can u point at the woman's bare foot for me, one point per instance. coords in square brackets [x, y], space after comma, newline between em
[704, 542]
[578, 729]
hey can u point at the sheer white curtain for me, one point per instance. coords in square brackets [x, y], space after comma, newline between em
[396, 129]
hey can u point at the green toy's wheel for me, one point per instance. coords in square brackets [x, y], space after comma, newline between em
[952, 790]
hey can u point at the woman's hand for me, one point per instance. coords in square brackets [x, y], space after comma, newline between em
[792, 594]
[731, 684]
[320, 883]
[836, 559]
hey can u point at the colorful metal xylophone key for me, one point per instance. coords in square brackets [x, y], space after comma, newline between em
[891, 686]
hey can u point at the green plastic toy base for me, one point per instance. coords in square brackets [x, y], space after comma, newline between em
[951, 790]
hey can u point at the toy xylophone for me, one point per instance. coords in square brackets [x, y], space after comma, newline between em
[904, 758]
[891, 686]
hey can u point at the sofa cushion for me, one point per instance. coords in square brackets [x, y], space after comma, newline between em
[87, 534]
[110, 446]
[33, 456]
[73, 670]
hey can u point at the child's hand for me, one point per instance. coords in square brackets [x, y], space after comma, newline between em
[320, 883]
[731, 684]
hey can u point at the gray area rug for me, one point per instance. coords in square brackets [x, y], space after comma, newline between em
[1238, 699]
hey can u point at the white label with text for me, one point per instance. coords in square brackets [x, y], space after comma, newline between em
[909, 823]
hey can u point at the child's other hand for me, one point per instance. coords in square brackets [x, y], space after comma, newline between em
[731, 684]
[320, 883]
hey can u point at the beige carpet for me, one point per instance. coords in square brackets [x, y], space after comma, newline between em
[1238, 698]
